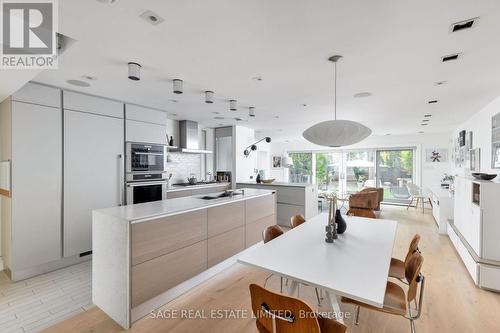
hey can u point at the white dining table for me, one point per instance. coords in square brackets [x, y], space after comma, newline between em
[356, 265]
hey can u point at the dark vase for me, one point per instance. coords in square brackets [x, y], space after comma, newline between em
[258, 180]
[171, 142]
[341, 224]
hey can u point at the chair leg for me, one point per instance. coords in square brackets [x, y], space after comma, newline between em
[267, 278]
[356, 315]
[317, 296]
[409, 204]
[412, 326]
[430, 202]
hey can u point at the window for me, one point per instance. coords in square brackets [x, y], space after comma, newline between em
[301, 172]
[395, 169]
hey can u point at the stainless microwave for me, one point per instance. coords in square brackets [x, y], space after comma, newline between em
[145, 158]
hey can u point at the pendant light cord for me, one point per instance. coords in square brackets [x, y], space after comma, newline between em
[335, 82]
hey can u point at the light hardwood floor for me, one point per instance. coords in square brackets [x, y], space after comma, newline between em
[452, 303]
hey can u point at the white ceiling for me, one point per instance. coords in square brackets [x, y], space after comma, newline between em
[391, 48]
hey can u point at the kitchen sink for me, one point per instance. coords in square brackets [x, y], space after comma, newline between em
[219, 196]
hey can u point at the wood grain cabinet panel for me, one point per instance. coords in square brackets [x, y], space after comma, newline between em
[156, 276]
[225, 245]
[226, 217]
[259, 208]
[179, 194]
[164, 235]
[253, 233]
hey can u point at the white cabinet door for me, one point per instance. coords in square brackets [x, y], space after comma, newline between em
[92, 104]
[140, 113]
[93, 164]
[138, 131]
[36, 184]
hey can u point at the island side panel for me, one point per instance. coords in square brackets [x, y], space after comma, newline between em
[111, 266]
[260, 213]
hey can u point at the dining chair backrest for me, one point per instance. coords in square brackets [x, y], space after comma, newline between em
[412, 274]
[412, 248]
[279, 313]
[271, 233]
[297, 220]
[414, 190]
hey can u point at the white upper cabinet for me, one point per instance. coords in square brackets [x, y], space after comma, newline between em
[139, 113]
[38, 94]
[92, 104]
[138, 131]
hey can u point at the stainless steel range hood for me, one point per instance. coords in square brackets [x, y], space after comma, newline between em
[189, 141]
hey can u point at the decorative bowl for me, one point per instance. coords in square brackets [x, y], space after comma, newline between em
[484, 176]
[268, 181]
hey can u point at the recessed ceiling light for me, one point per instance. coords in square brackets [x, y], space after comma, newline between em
[434, 101]
[174, 100]
[421, 132]
[464, 25]
[362, 94]
[109, 2]
[424, 124]
[173, 114]
[151, 17]
[303, 105]
[257, 78]
[88, 77]
[239, 119]
[440, 83]
[427, 115]
[219, 117]
[78, 83]
[388, 134]
[451, 57]
[221, 125]
[425, 120]
[276, 117]
[216, 112]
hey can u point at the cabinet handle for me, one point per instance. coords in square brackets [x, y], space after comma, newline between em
[121, 178]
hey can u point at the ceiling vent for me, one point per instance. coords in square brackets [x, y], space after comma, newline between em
[464, 25]
[434, 101]
[451, 57]
[151, 17]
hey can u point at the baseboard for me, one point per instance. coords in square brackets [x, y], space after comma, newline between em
[22, 274]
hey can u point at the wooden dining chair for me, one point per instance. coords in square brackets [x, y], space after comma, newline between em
[397, 268]
[284, 314]
[396, 301]
[268, 235]
[297, 220]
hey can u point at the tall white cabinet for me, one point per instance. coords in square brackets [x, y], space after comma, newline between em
[93, 172]
[31, 222]
[475, 231]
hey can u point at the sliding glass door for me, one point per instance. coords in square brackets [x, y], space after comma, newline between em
[349, 171]
[395, 169]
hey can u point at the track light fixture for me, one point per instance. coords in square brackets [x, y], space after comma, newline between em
[209, 97]
[233, 105]
[177, 86]
[253, 146]
[134, 71]
[251, 111]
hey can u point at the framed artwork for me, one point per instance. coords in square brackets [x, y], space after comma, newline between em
[456, 147]
[436, 155]
[468, 140]
[276, 161]
[495, 141]
[475, 160]
[462, 157]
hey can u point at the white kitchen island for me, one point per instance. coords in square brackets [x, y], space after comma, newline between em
[147, 254]
[292, 199]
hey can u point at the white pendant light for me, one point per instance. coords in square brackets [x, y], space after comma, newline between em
[336, 133]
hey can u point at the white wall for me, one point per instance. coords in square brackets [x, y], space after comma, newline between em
[243, 166]
[428, 174]
[480, 125]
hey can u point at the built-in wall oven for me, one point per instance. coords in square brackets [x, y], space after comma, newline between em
[145, 172]
[147, 190]
[146, 158]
